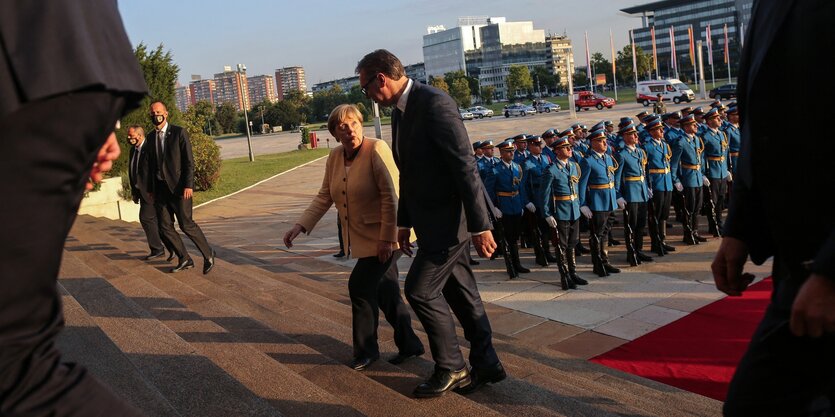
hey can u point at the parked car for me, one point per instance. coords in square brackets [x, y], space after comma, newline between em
[671, 90]
[725, 91]
[518, 109]
[465, 114]
[480, 112]
[543, 106]
[585, 100]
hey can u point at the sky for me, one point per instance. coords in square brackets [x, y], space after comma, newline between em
[327, 38]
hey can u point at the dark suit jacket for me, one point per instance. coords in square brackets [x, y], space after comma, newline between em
[441, 196]
[178, 162]
[780, 202]
[74, 45]
[140, 184]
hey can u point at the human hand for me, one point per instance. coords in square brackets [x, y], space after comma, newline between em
[649, 192]
[551, 222]
[484, 244]
[531, 208]
[621, 203]
[497, 212]
[384, 249]
[403, 237]
[586, 211]
[187, 193]
[108, 153]
[679, 187]
[730, 177]
[727, 267]
[291, 234]
[813, 311]
[705, 182]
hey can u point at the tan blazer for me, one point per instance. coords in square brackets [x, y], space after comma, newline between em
[365, 197]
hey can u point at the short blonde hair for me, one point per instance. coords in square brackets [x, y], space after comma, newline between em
[340, 113]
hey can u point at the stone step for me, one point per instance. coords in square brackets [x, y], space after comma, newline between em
[367, 395]
[189, 381]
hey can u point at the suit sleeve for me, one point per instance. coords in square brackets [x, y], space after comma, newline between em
[455, 151]
[386, 176]
[187, 173]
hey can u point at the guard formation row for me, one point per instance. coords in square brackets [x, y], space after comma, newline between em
[548, 188]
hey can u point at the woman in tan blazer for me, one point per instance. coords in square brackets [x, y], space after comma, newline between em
[362, 181]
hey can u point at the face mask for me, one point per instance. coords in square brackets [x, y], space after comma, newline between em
[157, 119]
[132, 141]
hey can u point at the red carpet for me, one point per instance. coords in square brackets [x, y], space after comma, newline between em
[699, 352]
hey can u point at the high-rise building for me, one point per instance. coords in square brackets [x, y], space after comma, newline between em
[560, 57]
[231, 87]
[182, 94]
[416, 72]
[698, 14]
[203, 90]
[289, 79]
[261, 88]
[505, 44]
[446, 50]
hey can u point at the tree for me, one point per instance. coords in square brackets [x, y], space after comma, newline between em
[601, 65]
[581, 79]
[543, 78]
[439, 83]
[487, 93]
[202, 114]
[460, 92]
[226, 115]
[519, 79]
[624, 64]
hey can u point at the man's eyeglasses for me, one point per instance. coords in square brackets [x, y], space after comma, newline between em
[364, 88]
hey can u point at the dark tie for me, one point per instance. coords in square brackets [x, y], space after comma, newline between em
[160, 156]
[134, 163]
[395, 132]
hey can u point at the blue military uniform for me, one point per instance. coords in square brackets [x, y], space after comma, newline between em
[660, 183]
[631, 186]
[734, 142]
[546, 150]
[715, 168]
[687, 171]
[507, 191]
[597, 192]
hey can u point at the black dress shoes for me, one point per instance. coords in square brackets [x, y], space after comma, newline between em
[339, 255]
[474, 262]
[183, 265]
[613, 242]
[668, 248]
[154, 255]
[208, 264]
[480, 377]
[643, 257]
[403, 357]
[171, 255]
[359, 364]
[442, 381]
[611, 269]
[700, 239]
[521, 269]
[577, 280]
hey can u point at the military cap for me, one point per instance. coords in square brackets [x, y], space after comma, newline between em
[716, 103]
[642, 114]
[687, 110]
[599, 125]
[608, 123]
[597, 135]
[654, 124]
[485, 144]
[714, 112]
[522, 137]
[731, 104]
[689, 119]
[476, 144]
[567, 132]
[672, 115]
[562, 142]
[576, 126]
[535, 139]
[627, 129]
[506, 145]
[584, 127]
[651, 119]
[698, 111]
[648, 117]
[624, 121]
[732, 109]
[550, 133]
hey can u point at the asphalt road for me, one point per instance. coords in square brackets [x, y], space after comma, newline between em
[496, 128]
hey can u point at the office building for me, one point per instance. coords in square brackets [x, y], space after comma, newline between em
[446, 50]
[505, 44]
[289, 79]
[560, 57]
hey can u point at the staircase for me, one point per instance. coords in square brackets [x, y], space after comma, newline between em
[248, 341]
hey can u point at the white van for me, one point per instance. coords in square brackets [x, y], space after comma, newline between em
[671, 89]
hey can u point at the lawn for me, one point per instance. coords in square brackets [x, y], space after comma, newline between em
[238, 173]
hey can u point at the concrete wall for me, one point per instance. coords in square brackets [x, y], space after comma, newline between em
[106, 202]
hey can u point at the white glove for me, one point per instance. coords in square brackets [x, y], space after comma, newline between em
[706, 182]
[649, 191]
[551, 222]
[531, 208]
[679, 187]
[586, 211]
[497, 212]
[621, 203]
[730, 177]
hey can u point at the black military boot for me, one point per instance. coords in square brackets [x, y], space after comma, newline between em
[639, 249]
[607, 266]
[596, 260]
[539, 255]
[662, 229]
[546, 246]
[514, 257]
[580, 250]
[572, 268]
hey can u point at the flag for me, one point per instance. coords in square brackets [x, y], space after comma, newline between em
[612, 44]
[727, 57]
[673, 47]
[709, 46]
[741, 34]
[654, 53]
[692, 47]
[588, 58]
[634, 58]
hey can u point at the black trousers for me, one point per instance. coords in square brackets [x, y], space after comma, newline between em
[569, 233]
[782, 374]
[440, 281]
[169, 205]
[718, 189]
[373, 285]
[637, 220]
[600, 222]
[692, 204]
[662, 201]
[512, 227]
[150, 224]
[47, 147]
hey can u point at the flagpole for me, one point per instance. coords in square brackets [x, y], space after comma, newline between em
[702, 72]
[614, 74]
[588, 64]
[727, 53]
[634, 58]
[654, 53]
[692, 53]
[710, 56]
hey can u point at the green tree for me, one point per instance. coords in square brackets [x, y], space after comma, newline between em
[451, 76]
[439, 83]
[545, 78]
[202, 114]
[624, 64]
[226, 115]
[460, 92]
[518, 81]
[581, 79]
[487, 93]
[601, 65]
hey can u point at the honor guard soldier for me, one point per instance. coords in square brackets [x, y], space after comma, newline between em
[477, 151]
[521, 153]
[644, 135]
[579, 151]
[549, 136]
[715, 168]
[687, 177]
[561, 210]
[686, 111]
[487, 161]
[660, 183]
[611, 135]
[632, 192]
[624, 121]
[699, 115]
[508, 195]
[536, 168]
[639, 124]
[734, 138]
[672, 131]
[598, 200]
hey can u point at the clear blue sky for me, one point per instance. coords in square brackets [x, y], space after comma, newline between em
[327, 38]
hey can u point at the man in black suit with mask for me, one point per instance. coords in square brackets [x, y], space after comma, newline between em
[446, 206]
[172, 166]
[140, 186]
[780, 210]
[67, 74]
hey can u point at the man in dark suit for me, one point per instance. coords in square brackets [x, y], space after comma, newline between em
[65, 80]
[447, 208]
[140, 186]
[172, 166]
[778, 208]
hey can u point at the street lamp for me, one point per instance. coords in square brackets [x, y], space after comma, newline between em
[241, 70]
[262, 119]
